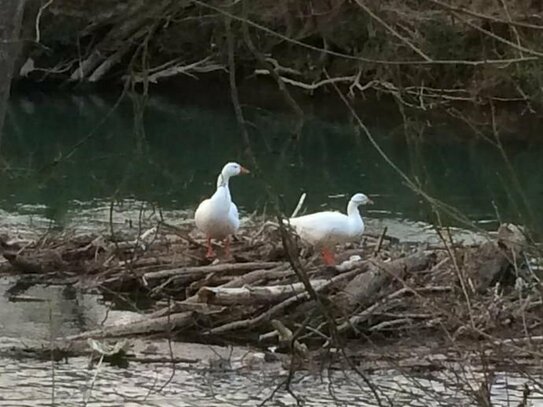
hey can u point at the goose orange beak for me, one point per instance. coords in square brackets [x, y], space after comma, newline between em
[243, 170]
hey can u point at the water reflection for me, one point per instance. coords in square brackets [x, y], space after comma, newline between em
[37, 312]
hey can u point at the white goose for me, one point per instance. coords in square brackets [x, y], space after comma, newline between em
[218, 216]
[326, 229]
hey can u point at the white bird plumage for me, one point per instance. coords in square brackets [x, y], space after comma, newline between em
[326, 229]
[218, 216]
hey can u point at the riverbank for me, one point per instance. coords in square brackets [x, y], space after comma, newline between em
[475, 64]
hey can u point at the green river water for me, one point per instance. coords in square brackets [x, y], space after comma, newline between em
[172, 155]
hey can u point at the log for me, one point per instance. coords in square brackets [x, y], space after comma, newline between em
[198, 307]
[262, 318]
[196, 272]
[277, 308]
[137, 352]
[368, 312]
[258, 275]
[495, 261]
[253, 295]
[184, 275]
[145, 326]
[240, 281]
[39, 262]
[365, 288]
[484, 265]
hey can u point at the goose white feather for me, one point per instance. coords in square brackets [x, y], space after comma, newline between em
[326, 229]
[218, 216]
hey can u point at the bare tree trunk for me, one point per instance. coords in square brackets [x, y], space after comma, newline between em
[11, 14]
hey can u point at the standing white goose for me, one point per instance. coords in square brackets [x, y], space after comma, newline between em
[326, 229]
[218, 216]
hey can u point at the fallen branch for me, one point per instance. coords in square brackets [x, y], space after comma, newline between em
[192, 273]
[169, 70]
[145, 326]
[273, 311]
[363, 316]
[252, 295]
[364, 288]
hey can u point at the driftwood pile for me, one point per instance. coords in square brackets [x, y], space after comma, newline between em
[272, 291]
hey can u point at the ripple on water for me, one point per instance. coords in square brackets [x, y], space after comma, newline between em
[139, 386]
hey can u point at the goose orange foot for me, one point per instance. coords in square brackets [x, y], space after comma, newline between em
[328, 256]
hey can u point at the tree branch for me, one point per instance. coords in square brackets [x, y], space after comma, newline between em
[393, 31]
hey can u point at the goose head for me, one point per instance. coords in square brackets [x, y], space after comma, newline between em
[360, 199]
[233, 169]
[352, 209]
[230, 170]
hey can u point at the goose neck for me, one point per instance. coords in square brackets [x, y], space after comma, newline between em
[222, 180]
[352, 210]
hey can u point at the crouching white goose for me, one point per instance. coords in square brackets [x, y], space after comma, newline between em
[326, 229]
[218, 216]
